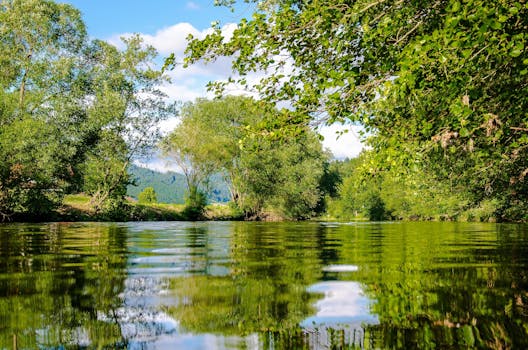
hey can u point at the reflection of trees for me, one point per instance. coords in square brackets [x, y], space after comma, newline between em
[444, 289]
[55, 283]
[265, 288]
[434, 285]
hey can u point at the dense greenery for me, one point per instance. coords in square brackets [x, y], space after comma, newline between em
[386, 195]
[440, 85]
[265, 175]
[73, 111]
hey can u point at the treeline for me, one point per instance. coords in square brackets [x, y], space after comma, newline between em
[441, 87]
[73, 111]
[365, 191]
[76, 112]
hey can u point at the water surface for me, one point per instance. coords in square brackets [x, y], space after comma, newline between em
[229, 285]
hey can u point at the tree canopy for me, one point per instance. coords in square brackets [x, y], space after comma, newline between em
[440, 84]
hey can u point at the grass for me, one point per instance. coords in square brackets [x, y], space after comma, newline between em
[222, 211]
[78, 207]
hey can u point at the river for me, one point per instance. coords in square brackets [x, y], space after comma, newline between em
[240, 285]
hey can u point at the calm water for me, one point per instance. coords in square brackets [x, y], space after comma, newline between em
[263, 286]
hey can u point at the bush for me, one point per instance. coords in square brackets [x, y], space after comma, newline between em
[195, 203]
[485, 211]
[148, 195]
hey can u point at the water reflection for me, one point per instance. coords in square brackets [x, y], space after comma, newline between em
[55, 280]
[263, 285]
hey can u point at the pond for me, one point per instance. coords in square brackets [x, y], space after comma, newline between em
[239, 285]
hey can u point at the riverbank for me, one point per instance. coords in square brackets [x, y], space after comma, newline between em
[79, 208]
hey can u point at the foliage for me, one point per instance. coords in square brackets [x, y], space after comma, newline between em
[73, 112]
[329, 183]
[128, 111]
[281, 176]
[381, 194]
[195, 202]
[148, 195]
[78, 207]
[262, 172]
[223, 211]
[441, 85]
[39, 106]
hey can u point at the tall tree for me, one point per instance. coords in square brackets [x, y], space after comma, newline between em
[126, 109]
[41, 103]
[73, 112]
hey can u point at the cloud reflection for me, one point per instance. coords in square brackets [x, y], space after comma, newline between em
[343, 303]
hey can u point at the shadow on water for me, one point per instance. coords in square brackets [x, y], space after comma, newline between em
[264, 285]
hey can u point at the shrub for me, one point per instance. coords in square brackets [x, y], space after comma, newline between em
[148, 195]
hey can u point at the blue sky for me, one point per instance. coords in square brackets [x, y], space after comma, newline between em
[165, 24]
[106, 18]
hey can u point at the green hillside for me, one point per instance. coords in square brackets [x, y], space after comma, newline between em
[170, 186]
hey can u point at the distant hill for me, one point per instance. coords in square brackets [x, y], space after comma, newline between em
[170, 187]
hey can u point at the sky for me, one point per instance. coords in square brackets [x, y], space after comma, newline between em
[165, 24]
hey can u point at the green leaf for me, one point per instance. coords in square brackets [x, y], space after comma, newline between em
[517, 51]
[497, 24]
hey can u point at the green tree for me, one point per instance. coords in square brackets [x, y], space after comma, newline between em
[148, 195]
[41, 108]
[440, 84]
[262, 171]
[209, 138]
[361, 197]
[281, 177]
[127, 108]
[189, 147]
[73, 112]
[380, 193]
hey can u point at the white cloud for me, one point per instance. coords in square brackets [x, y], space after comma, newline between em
[158, 164]
[190, 83]
[172, 39]
[343, 140]
[186, 90]
[168, 125]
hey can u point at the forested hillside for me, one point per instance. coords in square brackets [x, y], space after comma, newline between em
[170, 186]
